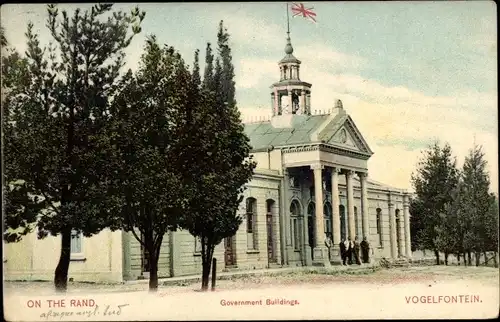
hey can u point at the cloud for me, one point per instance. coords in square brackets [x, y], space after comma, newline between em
[397, 122]
[327, 58]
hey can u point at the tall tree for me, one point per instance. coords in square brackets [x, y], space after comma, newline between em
[449, 229]
[434, 182]
[476, 201]
[222, 153]
[55, 150]
[145, 118]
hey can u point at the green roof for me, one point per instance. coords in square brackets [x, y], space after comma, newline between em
[263, 134]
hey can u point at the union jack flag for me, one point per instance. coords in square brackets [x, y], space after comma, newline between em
[299, 9]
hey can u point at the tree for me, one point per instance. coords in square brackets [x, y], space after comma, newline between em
[3, 39]
[476, 202]
[449, 229]
[145, 124]
[434, 181]
[56, 145]
[221, 150]
[491, 223]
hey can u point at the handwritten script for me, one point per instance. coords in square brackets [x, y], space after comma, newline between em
[60, 314]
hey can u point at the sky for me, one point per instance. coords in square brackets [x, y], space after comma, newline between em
[408, 73]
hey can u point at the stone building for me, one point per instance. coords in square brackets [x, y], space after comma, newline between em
[311, 179]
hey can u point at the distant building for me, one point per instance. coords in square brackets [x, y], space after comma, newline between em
[311, 179]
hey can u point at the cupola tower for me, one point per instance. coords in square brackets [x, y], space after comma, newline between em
[290, 95]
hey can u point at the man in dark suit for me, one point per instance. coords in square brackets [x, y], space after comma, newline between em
[357, 250]
[365, 250]
[343, 251]
[350, 250]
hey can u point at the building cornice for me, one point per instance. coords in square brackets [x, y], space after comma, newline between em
[323, 147]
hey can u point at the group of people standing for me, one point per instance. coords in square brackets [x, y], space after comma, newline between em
[352, 251]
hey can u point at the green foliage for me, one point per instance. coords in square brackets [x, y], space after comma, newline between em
[218, 159]
[454, 211]
[56, 107]
[144, 131]
[476, 203]
[3, 39]
[434, 182]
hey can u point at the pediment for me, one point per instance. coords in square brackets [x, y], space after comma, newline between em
[345, 134]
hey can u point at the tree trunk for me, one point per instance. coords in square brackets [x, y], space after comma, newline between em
[458, 259]
[154, 255]
[485, 258]
[436, 253]
[61, 273]
[205, 275]
[495, 259]
[477, 256]
[153, 270]
[446, 258]
[206, 265]
[469, 258]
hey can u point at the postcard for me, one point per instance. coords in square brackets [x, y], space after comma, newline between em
[250, 161]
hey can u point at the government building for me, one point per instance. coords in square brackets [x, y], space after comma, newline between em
[311, 181]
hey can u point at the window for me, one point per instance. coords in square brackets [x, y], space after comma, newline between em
[269, 207]
[296, 229]
[295, 224]
[379, 226]
[398, 232]
[76, 242]
[251, 214]
[311, 210]
[343, 228]
[197, 245]
[327, 211]
[356, 222]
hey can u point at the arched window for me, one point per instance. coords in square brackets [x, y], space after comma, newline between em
[295, 224]
[311, 211]
[398, 232]
[271, 233]
[379, 226]
[343, 228]
[327, 212]
[251, 214]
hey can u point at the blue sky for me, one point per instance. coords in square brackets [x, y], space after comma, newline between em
[407, 72]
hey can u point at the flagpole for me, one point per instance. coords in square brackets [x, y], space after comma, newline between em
[288, 20]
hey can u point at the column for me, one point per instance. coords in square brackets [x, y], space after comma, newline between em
[302, 102]
[290, 102]
[392, 229]
[406, 214]
[274, 103]
[364, 205]
[320, 250]
[350, 205]
[280, 106]
[335, 208]
[402, 233]
[286, 241]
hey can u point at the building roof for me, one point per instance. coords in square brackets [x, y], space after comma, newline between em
[336, 129]
[263, 134]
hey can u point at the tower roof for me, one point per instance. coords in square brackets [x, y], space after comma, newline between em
[289, 57]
